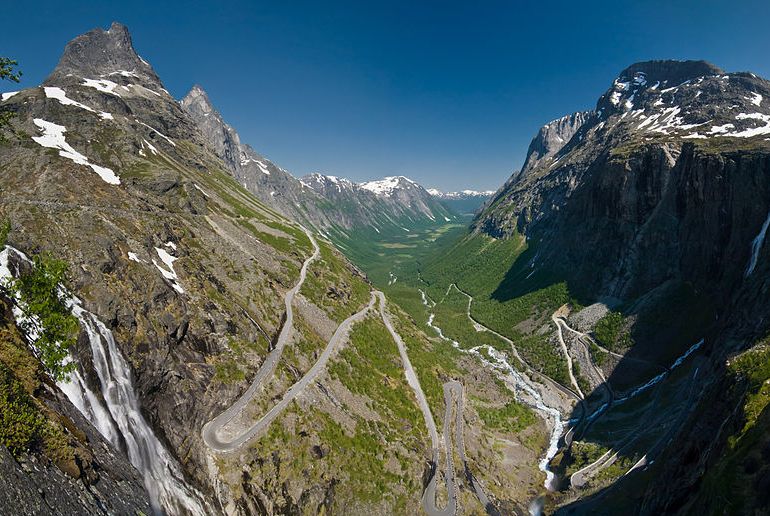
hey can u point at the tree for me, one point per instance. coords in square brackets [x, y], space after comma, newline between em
[46, 314]
[7, 73]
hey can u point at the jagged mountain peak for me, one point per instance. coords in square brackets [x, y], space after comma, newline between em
[103, 54]
[551, 138]
[197, 98]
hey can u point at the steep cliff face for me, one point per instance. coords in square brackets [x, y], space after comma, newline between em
[550, 139]
[640, 194]
[666, 185]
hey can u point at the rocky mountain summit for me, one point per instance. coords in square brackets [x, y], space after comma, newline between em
[106, 55]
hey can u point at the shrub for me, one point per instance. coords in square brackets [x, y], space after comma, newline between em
[21, 424]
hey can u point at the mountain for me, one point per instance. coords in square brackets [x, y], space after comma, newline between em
[322, 201]
[198, 299]
[181, 270]
[465, 202]
[655, 206]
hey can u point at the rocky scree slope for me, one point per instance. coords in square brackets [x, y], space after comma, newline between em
[320, 201]
[663, 187]
[186, 268]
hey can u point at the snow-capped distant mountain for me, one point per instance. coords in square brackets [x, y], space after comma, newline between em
[389, 185]
[464, 201]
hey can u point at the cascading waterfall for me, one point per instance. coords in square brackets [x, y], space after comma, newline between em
[121, 420]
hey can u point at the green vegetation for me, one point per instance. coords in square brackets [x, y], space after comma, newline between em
[361, 452]
[731, 482]
[513, 417]
[432, 361]
[370, 365]
[611, 331]
[494, 271]
[754, 367]
[228, 368]
[372, 456]
[583, 453]
[598, 356]
[452, 318]
[582, 381]
[46, 313]
[21, 423]
[227, 371]
[332, 285]
[5, 228]
[7, 73]
[26, 424]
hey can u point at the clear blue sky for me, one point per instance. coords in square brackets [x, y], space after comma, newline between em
[448, 94]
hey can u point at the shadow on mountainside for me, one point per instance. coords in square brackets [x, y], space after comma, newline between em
[654, 373]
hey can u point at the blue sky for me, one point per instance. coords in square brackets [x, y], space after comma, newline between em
[446, 93]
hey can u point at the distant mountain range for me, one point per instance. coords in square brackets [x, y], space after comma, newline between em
[325, 202]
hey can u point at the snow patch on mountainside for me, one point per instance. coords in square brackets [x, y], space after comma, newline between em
[104, 86]
[60, 95]
[169, 140]
[53, 138]
[169, 273]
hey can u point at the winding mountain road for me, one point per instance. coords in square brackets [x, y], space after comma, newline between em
[529, 369]
[212, 429]
[566, 356]
[429, 495]
[411, 376]
[456, 388]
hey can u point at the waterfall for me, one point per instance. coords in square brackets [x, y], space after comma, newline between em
[121, 419]
[756, 246]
